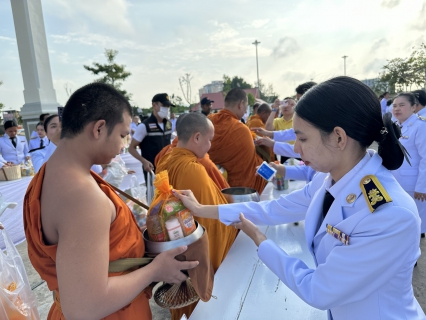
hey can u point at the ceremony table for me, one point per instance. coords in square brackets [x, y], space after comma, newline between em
[14, 191]
[244, 288]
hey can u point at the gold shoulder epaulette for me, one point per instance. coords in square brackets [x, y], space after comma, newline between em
[374, 193]
[33, 138]
[422, 118]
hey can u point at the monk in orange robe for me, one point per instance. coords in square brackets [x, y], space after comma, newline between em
[76, 224]
[210, 167]
[232, 146]
[258, 121]
[195, 132]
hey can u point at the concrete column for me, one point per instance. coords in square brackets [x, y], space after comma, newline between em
[39, 95]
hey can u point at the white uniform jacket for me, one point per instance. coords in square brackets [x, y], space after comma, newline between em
[35, 142]
[370, 278]
[413, 138]
[285, 149]
[8, 153]
[284, 135]
[302, 173]
[37, 158]
[422, 112]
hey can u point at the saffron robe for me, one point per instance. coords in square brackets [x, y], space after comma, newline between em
[125, 242]
[210, 167]
[186, 173]
[233, 148]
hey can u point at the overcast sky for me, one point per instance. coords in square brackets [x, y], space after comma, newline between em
[161, 40]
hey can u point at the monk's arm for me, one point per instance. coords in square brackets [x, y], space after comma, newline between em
[86, 291]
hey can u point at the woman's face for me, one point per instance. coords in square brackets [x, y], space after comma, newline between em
[54, 129]
[318, 152]
[402, 109]
[12, 132]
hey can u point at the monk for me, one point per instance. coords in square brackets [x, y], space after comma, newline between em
[76, 224]
[210, 167]
[232, 146]
[195, 132]
[258, 121]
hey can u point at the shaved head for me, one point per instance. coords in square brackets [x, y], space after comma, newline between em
[264, 108]
[191, 123]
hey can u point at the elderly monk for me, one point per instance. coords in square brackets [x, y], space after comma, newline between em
[210, 167]
[195, 133]
[76, 224]
[232, 146]
[258, 121]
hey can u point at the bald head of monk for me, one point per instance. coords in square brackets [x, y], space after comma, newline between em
[95, 120]
[195, 133]
[263, 111]
[236, 101]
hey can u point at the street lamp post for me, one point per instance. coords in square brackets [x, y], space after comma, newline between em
[344, 65]
[257, 64]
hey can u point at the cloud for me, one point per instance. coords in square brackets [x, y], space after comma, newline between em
[260, 23]
[380, 43]
[389, 4]
[420, 22]
[7, 39]
[374, 65]
[294, 76]
[225, 32]
[286, 46]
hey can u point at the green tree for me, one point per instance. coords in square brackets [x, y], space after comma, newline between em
[403, 74]
[1, 104]
[112, 73]
[267, 93]
[251, 99]
[235, 82]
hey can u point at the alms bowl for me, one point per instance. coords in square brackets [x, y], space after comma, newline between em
[240, 194]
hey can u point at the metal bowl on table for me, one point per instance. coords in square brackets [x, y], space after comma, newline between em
[154, 248]
[240, 194]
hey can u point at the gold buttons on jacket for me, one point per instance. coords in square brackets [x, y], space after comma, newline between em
[351, 198]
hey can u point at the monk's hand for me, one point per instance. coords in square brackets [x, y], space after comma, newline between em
[168, 269]
[189, 201]
[147, 166]
[420, 196]
[279, 167]
[250, 229]
[265, 142]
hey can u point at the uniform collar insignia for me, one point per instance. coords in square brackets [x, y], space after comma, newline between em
[374, 193]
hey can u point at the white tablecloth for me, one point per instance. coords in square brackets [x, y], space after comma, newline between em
[14, 191]
[246, 289]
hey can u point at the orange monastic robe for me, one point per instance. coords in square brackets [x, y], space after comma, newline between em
[125, 242]
[186, 173]
[210, 167]
[233, 148]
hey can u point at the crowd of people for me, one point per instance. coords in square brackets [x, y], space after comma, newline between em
[364, 210]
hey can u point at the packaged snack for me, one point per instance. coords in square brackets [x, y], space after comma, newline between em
[164, 208]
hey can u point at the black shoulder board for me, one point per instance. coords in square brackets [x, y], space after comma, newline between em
[374, 193]
[32, 150]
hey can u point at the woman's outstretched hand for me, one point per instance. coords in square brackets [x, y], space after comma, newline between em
[250, 229]
[189, 201]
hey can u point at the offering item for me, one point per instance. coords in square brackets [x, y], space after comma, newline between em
[168, 219]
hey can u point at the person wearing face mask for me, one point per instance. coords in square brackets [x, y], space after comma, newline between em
[153, 134]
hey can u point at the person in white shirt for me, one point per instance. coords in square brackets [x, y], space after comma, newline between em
[173, 121]
[421, 105]
[41, 140]
[13, 148]
[42, 117]
[383, 102]
[133, 125]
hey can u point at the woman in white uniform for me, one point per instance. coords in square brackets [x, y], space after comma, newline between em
[412, 176]
[13, 148]
[362, 229]
[421, 105]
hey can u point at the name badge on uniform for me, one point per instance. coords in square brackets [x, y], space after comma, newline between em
[153, 126]
[339, 235]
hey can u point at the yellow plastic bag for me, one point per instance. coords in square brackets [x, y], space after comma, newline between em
[17, 301]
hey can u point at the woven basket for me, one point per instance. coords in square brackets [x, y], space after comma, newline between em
[174, 296]
[10, 173]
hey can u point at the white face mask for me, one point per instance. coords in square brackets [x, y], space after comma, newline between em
[163, 113]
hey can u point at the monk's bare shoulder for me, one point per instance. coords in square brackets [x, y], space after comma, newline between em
[71, 199]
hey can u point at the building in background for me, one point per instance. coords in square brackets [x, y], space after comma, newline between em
[215, 86]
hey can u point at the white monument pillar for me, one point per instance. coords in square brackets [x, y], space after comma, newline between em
[39, 95]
